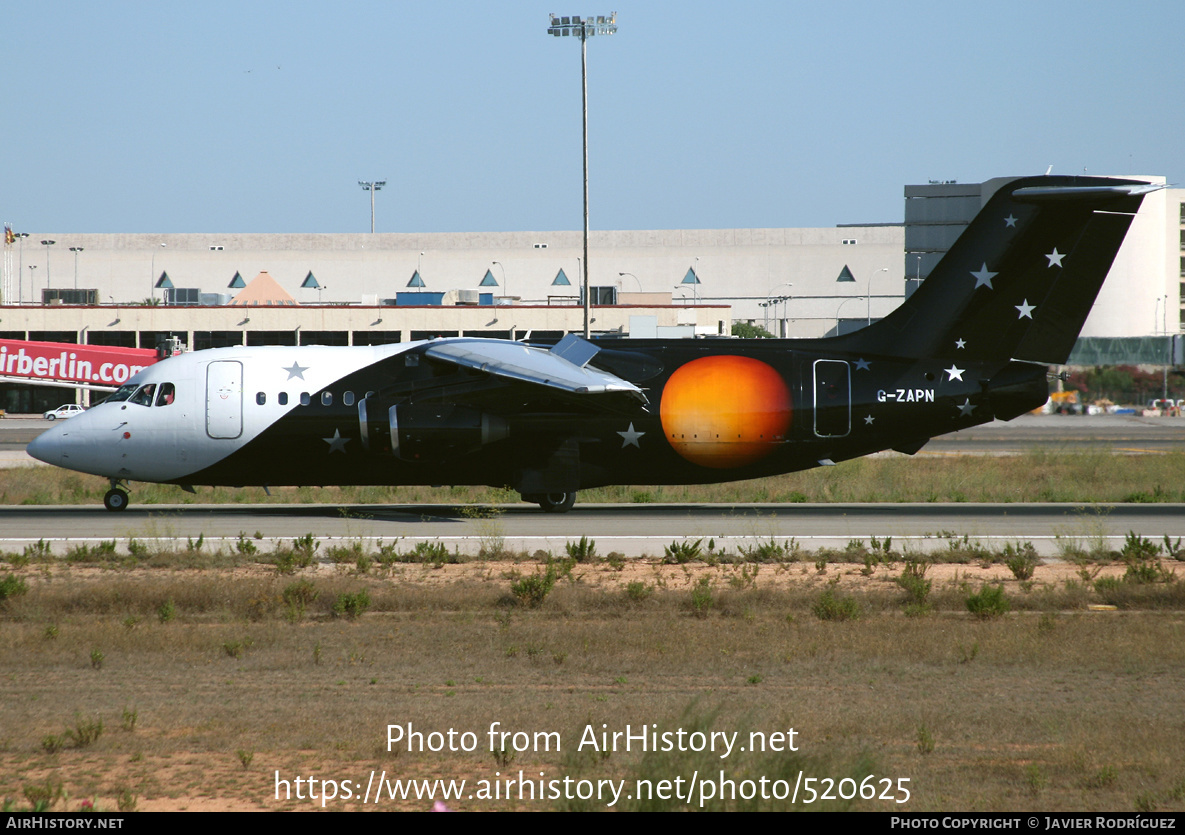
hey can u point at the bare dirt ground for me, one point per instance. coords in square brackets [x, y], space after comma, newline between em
[1052, 706]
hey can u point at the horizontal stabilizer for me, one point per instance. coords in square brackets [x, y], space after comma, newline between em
[575, 350]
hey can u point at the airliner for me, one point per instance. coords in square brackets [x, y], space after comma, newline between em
[975, 343]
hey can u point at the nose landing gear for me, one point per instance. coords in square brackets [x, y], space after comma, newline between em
[116, 498]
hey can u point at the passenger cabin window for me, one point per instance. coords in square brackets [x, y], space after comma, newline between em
[326, 398]
[305, 399]
[282, 398]
[348, 398]
[143, 397]
[261, 398]
[165, 396]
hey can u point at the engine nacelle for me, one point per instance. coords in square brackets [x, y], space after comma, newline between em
[425, 433]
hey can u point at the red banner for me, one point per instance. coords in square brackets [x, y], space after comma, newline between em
[92, 365]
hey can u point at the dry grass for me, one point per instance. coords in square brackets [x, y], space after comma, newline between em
[1039, 476]
[1050, 707]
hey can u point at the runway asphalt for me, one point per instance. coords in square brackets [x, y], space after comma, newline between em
[643, 529]
[630, 529]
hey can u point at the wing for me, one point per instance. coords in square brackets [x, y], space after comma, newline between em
[563, 368]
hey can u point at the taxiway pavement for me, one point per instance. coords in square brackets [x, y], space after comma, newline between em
[630, 529]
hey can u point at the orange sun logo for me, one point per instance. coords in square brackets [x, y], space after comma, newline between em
[725, 411]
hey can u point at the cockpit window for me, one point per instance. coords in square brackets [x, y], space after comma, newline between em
[164, 397]
[121, 394]
[144, 396]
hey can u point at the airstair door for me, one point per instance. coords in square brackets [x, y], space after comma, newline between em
[224, 399]
[833, 399]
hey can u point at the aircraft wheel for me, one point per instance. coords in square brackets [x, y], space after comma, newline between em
[556, 502]
[115, 500]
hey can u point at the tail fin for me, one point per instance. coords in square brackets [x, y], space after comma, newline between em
[1020, 280]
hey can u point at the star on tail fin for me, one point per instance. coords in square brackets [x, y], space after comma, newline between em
[1021, 278]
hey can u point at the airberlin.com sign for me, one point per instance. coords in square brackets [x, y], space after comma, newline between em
[62, 362]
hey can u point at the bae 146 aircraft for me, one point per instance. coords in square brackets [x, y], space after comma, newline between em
[973, 344]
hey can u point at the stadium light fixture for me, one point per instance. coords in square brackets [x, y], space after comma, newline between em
[76, 250]
[372, 186]
[584, 28]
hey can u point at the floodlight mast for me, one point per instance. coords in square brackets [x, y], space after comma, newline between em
[372, 186]
[585, 28]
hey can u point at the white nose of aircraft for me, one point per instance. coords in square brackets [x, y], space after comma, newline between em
[48, 445]
[68, 445]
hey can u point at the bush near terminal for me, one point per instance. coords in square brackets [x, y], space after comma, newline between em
[218, 669]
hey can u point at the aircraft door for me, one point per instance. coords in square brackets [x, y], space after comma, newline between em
[833, 399]
[224, 399]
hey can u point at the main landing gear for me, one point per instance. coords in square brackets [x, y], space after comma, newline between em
[116, 498]
[552, 502]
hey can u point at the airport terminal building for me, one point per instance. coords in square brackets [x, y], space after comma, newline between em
[215, 290]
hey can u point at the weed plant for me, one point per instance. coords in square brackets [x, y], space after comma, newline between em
[833, 606]
[702, 599]
[12, 586]
[532, 590]
[298, 597]
[1021, 560]
[585, 550]
[637, 591]
[681, 552]
[351, 605]
[989, 602]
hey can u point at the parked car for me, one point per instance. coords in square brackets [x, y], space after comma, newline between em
[64, 411]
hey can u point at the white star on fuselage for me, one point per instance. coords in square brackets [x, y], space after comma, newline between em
[862, 364]
[960, 343]
[337, 443]
[630, 437]
[1010, 221]
[1024, 309]
[1055, 257]
[296, 371]
[966, 408]
[955, 373]
[983, 278]
[869, 419]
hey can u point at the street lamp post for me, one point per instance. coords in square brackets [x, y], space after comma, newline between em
[774, 301]
[505, 285]
[372, 186]
[76, 250]
[838, 309]
[32, 288]
[635, 278]
[47, 245]
[1168, 348]
[20, 280]
[585, 28]
[869, 290]
[152, 275]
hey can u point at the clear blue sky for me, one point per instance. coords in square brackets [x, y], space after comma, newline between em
[262, 116]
